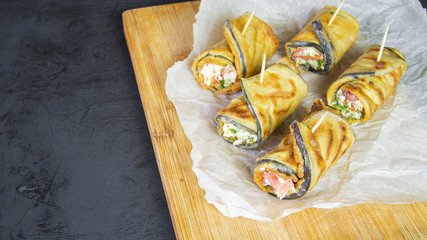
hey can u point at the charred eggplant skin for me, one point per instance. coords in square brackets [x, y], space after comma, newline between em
[217, 56]
[239, 49]
[306, 165]
[258, 124]
[326, 47]
[277, 166]
[326, 44]
[332, 40]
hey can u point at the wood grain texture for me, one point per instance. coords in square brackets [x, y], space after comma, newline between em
[159, 36]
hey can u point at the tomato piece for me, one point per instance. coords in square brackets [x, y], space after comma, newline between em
[281, 187]
[299, 53]
[350, 98]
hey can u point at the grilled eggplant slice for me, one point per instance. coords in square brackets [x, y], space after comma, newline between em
[361, 89]
[249, 48]
[249, 119]
[216, 63]
[318, 47]
[303, 157]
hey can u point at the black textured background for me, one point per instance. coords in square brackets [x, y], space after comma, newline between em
[76, 160]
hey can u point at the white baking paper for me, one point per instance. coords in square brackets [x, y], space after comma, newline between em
[387, 163]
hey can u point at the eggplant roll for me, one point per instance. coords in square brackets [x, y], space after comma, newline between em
[248, 120]
[318, 47]
[296, 165]
[248, 48]
[214, 69]
[361, 89]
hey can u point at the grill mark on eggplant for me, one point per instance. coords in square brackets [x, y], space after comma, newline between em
[371, 57]
[331, 140]
[291, 95]
[339, 154]
[375, 89]
[239, 110]
[241, 55]
[261, 131]
[381, 95]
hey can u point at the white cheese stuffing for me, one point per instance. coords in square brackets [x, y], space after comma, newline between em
[216, 73]
[315, 64]
[238, 135]
[347, 106]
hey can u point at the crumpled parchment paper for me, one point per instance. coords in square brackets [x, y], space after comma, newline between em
[387, 163]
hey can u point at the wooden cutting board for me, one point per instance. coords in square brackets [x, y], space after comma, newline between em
[159, 36]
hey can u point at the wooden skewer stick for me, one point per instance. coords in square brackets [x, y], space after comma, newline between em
[336, 13]
[382, 44]
[247, 23]
[262, 69]
[318, 122]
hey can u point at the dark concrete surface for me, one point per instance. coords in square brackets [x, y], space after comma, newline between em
[76, 160]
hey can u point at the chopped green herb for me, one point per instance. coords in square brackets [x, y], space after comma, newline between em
[234, 131]
[222, 84]
[334, 103]
[319, 64]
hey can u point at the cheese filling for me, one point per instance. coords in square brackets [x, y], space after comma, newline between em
[221, 76]
[348, 104]
[238, 135]
[307, 57]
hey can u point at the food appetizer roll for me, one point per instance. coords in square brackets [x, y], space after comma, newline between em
[320, 46]
[304, 156]
[367, 84]
[249, 47]
[239, 55]
[249, 119]
[214, 69]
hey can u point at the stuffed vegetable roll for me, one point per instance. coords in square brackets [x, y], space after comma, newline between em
[249, 119]
[249, 47]
[303, 157]
[214, 69]
[318, 47]
[361, 89]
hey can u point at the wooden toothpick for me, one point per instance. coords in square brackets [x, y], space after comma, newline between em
[262, 69]
[318, 122]
[382, 44]
[247, 23]
[335, 14]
